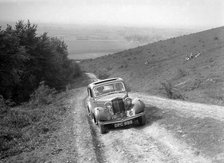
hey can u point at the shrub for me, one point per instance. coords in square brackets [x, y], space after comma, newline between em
[27, 58]
[170, 91]
[42, 95]
[121, 66]
[216, 38]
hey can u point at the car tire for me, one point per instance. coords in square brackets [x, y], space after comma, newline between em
[142, 120]
[102, 128]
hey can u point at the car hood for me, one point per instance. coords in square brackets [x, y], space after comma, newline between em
[110, 97]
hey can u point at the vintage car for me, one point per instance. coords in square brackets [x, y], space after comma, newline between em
[108, 104]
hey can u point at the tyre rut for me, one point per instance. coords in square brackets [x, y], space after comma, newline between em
[146, 144]
[82, 131]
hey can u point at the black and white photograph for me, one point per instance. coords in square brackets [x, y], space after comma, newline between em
[111, 81]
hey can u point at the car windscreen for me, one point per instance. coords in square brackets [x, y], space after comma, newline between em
[105, 89]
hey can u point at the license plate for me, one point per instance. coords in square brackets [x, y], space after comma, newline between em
[130, 113]
[123, 123]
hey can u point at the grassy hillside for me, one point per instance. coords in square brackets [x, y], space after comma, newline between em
[191, 65]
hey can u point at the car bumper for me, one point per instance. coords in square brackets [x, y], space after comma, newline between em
[121, 120]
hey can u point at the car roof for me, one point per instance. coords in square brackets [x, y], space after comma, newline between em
[98, 82]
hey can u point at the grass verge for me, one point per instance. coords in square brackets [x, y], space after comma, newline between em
[29, 126]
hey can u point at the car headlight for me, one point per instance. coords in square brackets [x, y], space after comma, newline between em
[128, 101]
[108, 106]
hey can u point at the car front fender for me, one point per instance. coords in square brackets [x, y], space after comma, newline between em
[102, 114]
[138, 106]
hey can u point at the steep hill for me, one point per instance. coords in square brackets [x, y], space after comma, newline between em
[192, 64]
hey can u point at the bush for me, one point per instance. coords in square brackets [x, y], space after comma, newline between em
[42, 95]
[216, 38]
[27, 58]
[171, 92]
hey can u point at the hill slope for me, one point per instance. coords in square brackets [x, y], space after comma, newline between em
[192, 64]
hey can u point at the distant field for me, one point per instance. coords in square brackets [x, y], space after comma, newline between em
[85, 49]
[94, 41]
[88, 55]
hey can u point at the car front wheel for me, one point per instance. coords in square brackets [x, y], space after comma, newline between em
[142, 120]
[102, 128]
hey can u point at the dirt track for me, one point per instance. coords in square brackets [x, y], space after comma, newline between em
[150, 143]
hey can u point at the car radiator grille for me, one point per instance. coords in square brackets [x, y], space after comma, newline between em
[118, 105]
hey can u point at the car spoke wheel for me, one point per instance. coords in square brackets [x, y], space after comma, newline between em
[142, 120]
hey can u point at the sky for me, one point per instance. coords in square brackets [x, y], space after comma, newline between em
[162, 13]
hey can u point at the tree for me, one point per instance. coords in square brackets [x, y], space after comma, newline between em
[27, 59]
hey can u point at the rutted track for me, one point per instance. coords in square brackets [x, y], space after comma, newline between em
[152, 142]
[83, 134]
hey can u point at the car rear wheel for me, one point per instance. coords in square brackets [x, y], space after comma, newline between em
[142, 120]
